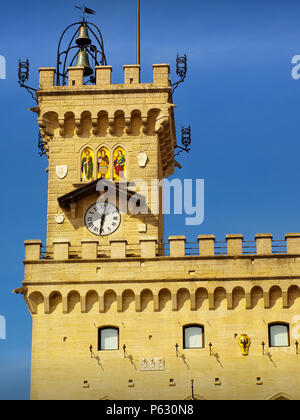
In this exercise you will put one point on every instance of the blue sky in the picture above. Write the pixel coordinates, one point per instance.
(239, 98)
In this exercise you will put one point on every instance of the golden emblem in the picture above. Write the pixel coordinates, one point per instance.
(244, 342)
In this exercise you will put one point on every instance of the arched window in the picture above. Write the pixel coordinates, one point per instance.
(193, 337)
(108, 338)
(279, 335)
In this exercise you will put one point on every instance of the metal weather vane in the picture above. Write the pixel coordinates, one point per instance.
(85, 10)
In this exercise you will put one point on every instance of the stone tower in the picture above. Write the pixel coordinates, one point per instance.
(135, 117)
(113, 316)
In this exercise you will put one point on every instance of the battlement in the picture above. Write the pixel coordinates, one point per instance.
(231, 271)
(177, 247)
(103, 78)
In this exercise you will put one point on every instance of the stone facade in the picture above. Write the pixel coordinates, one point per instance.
(133, 282)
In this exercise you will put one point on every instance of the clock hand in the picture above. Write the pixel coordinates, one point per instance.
(101, 223)
(103, 218)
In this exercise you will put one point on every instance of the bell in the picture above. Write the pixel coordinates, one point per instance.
(83, 61)
(83, 39)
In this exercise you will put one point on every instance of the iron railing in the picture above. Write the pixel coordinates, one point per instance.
(163, 249)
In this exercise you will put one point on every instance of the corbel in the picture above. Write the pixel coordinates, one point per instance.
(65, 306)
(162, 122)
(162, 141)
(30, 306)
(61, 124)
(174, 302)
(285, 299)
(111, 123)
(83, 305)
(43, 127)
(266, 300)
(193, 301)
(101, 304)
(211, 301)
(138, 303)
(145, 124)
(46, 145)
(248, 300)
(95, 127)
(46, 139)
(156, 303)
(47, 305)
(119, 303)
(128, 125)
(78, 126)
(229, 300)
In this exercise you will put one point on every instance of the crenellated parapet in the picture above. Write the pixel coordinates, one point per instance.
(103, 78)
(177, 247)
(123, 276)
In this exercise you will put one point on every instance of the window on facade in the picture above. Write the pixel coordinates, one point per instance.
(279, 335)
(108, 338)
(193, 337)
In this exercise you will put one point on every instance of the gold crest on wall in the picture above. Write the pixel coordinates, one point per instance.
(244, 342)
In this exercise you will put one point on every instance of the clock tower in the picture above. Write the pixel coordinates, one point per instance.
(115, 132)
(120, 133)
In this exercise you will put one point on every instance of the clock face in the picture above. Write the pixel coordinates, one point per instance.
(102, 219)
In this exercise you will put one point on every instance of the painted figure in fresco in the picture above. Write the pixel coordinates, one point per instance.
(87, 166)
(103, 163)
(119, 164)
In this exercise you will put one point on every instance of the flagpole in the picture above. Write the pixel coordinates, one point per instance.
(138, 51)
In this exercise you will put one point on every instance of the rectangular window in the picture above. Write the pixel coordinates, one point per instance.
(108, 339)
(193, 337)
(279, 335)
